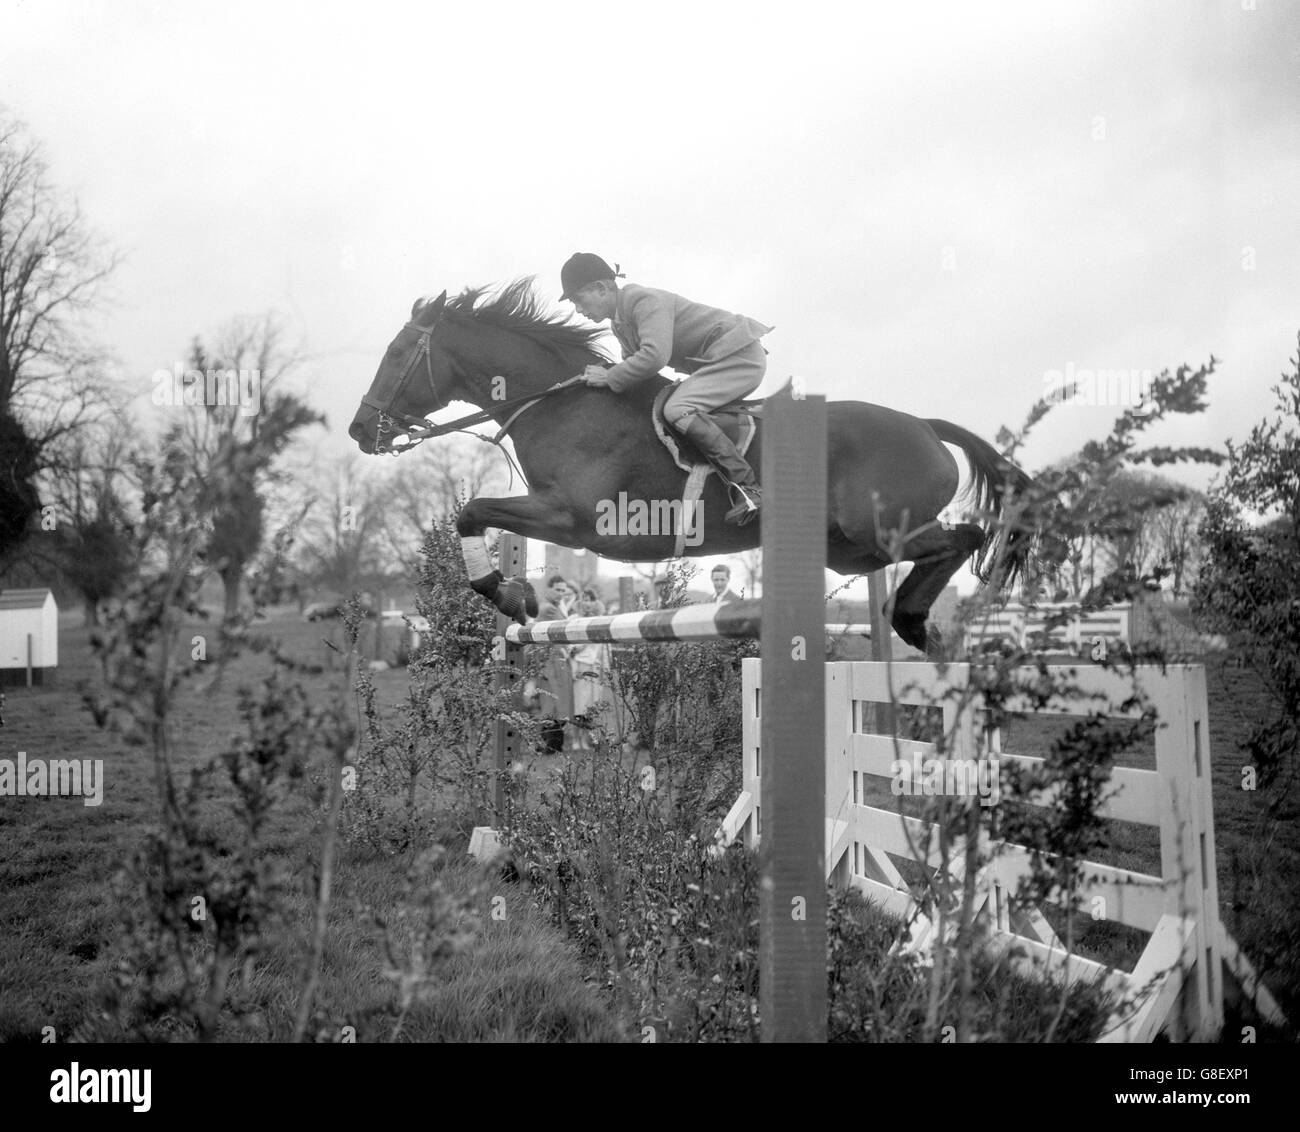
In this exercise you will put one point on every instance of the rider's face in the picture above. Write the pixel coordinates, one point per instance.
(596, 301)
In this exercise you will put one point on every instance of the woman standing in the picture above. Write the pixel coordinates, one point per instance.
(555, 681)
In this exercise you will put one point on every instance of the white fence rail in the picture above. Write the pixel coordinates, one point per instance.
(1177, 983)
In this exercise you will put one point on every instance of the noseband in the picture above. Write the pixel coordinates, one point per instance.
(416, 427)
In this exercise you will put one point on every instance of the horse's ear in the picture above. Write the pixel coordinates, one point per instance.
(427, 310)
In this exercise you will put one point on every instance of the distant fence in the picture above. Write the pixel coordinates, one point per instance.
(1028, 628)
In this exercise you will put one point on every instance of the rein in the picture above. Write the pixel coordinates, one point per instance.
(421, 430)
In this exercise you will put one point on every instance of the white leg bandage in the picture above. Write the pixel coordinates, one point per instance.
(477, 563)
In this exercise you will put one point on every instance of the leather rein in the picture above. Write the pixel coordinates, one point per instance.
(419, 429)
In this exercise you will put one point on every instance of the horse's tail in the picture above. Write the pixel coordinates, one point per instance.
(997, 483)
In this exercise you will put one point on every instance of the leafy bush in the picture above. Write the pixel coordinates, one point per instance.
(1249, 591)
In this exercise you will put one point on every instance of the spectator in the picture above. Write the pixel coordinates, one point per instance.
(555, 682)
(591, 668)
(557, 599)
(720, 576)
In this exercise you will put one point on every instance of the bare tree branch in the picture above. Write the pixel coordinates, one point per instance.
(51, 272)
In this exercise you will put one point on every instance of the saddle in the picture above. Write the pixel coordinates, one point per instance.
(739, 420)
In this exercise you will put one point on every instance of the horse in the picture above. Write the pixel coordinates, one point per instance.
(587, 452)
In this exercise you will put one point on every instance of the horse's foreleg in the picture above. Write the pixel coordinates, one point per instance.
(533, 516)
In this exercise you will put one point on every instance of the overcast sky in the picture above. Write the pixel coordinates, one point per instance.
(935, 204)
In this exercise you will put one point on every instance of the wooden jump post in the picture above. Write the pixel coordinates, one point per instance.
(792, 852)
(789, 621)
(512, 554)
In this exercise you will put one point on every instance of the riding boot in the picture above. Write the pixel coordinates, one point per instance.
(703, 431)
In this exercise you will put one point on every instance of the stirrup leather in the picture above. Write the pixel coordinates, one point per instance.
(751, 501)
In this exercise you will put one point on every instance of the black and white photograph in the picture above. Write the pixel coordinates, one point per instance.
(650, 524)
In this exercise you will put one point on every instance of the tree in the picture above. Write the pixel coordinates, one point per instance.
(341, 537)
(236, 430)
(1177, 542)
(92, 530)
(1125, 518)
(18, 495)
(751, 563)
(1249, 587)
(424, 488)
(1122, 523)
(51, 271)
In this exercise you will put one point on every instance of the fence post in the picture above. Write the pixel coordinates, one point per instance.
(882, 648)
(512, 558)
(792, 852)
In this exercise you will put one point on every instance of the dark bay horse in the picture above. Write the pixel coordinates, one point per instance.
(592, 459)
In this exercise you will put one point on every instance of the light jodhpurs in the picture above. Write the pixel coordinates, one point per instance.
(718, 383)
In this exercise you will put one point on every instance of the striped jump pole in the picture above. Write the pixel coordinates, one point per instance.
(737, 619)
(689, 623)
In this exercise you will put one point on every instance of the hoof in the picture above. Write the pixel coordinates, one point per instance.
(911, 627)
(516, 599)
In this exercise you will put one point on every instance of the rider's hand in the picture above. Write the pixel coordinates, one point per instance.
(595, 375)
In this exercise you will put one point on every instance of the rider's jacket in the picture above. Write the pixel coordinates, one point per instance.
(657, 328)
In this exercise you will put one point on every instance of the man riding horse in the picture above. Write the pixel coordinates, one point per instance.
(584, 451)
(719, 350)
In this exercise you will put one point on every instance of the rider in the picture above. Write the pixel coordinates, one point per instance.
(719, 350)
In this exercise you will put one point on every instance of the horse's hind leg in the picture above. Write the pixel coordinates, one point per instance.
(936, 555)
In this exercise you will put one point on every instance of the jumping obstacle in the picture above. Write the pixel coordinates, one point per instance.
(788, 621)
(735, 620)
(806, 805)
(1177, 984)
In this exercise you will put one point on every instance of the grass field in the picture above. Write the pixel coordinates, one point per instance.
(518, 981)
(61, 917)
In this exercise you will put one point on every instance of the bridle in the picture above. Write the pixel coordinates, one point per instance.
(415, 427)
(419, 429)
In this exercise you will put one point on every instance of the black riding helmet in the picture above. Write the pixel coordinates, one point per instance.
(583, 268)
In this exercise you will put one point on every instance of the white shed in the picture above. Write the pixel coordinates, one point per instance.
(29, 634)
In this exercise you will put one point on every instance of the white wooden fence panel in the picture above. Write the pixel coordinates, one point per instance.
(1179, 907)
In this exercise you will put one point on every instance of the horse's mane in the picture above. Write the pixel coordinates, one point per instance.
(515, 307)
